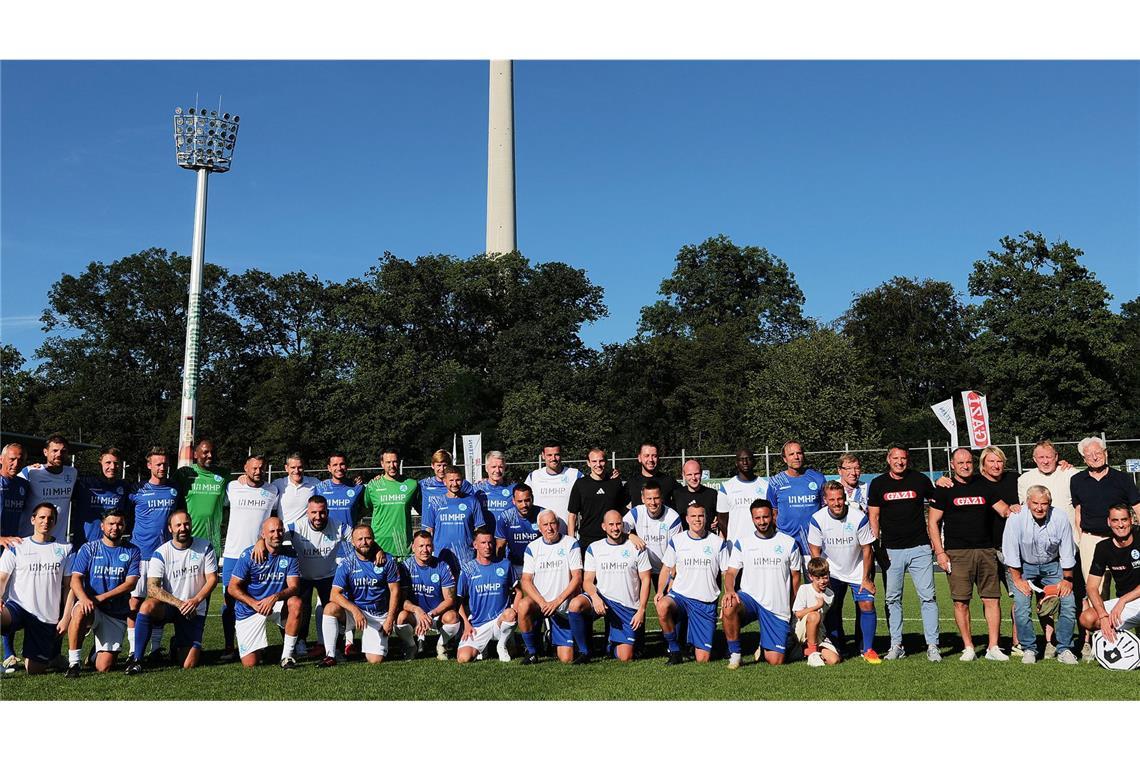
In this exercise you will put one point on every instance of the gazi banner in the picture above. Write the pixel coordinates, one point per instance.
(977, 419)
(473, 456)
(944, 411)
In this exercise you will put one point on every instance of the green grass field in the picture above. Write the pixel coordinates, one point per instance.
(912, 678)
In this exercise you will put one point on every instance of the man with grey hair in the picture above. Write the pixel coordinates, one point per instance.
(551, 577)
(1040, 554)
(1094, 491)
(495, 493)
(1054, 474)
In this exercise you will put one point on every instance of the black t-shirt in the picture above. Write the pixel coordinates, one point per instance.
(637, 480)
(902, 519)
(590, 499)
(1122, 562)
(967, 513)
(1096, 496)
(1005, 489)
(704, 496)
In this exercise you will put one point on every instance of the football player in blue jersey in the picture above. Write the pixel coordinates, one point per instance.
(103, 576)
(13, 495)
(428, 599)
(796, 494)
(345, 496)
(452, 522)
(367, 587)
(95, 494)
(486, 588)
(258, 588)
(495, 491)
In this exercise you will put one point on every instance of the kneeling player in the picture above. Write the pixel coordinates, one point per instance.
(1119, 555)
(257, 588)
(617, 578)
(486, 587)
(689, 585)
(810, 608)
(102, 578)
(768, 564)
(179, 580)
(552, 576)
(366, 586)
(429, 599)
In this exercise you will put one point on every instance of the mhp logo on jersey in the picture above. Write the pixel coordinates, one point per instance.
(435, 577)
(500, 572)
(124, 557)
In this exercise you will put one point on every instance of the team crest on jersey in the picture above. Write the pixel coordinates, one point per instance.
(561, 552)
(173, 491)
(435, 577)
(1136, 554)
(779, 550)
(124, 557)
(708, 550)
(350, 493)
(506, 492)
(812, 486)
(217, 478)
(625, 552)
(59, 552)
(195, 556)
(848, 528)
(282, 563)
(119, 490)
(403, 487)
(500, 572)
(462, 507)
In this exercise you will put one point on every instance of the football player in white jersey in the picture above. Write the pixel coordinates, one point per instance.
(651, 524)
(616, 586)
(551, 577)
(34, 575)
(54, 482)
(689, 585)
(769, 565)
(735, 496)
(552, 483)
(294, 490)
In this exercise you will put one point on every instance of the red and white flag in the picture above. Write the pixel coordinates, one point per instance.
(977, 419)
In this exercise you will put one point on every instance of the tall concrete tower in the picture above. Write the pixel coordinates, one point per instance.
(501, 160)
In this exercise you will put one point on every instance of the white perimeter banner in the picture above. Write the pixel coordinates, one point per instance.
(977, 419)
(473, 456)
(944, 411)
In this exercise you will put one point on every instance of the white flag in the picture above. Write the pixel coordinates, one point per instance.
(944, 411)
(473, 456)
(977, 419)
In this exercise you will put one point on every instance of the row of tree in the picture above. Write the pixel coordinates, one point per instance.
(414, 351)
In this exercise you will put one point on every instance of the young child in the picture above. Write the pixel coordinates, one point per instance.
(811, 604)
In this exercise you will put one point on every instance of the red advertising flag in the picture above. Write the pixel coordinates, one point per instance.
(977, 419)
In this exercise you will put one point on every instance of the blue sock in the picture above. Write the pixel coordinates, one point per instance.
(580, 631)
(142, 635)
(867, 622)
(529, 642)
(9, 644)
(734, 646)
(671, 640)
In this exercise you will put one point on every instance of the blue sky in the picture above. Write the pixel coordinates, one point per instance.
(852, 172)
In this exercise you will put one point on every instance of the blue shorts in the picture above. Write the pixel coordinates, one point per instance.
(188, 631)
(773, 629)
(858, 594)
(560, 635)
(618, 618)
(227, 570)
(323, 587)
(41, 643)
(701, 617)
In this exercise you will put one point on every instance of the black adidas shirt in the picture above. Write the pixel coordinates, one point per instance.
(590, 499)
(704, 496)
(1122, 562)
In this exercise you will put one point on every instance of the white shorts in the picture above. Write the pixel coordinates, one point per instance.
(1130, 617)
(373, 640)
(250, 631)
(484, 634)
(140, 587)
(107, 630)
(820, 634)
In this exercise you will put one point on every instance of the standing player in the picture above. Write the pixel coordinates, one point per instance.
(591, 497)
(517, 527)
(647, 470)
(180, 577)
(552, 575)
(553, 482)
(294, 490)
(95, 494)
(345, 497)
(102, 577)
(689, 585)
(843, 535)
(735, 496)
(366, 586)
(258, 587)
(1120, 556)
(429, 598)
(486, 588)
(896, 507)
(693, 490)
(204, 487)
(34, 576)
(769, 565)
(651, 524)
(53, 482)
(496, 492)
(389, 498)
(616, 586)
(453, 521)
(432, 488)
(251, 502)
(13, 494)
(795, 494)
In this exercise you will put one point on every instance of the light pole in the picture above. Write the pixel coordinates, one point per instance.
(203, 142)
(501, 160)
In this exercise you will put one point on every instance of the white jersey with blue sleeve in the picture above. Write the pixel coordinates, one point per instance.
(249, 508)
(766, 566)
(842, 541)
(552, 491)
(183, 572)
(734, 497)
(35, 576)
(697, 564)
(654, 531)
(551, 564)
(617, 570)
(319, 551)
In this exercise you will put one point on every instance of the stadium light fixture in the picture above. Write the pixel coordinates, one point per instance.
(204, 142)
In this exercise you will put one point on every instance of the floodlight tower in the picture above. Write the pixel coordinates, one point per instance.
(501, 160)
(204, 143)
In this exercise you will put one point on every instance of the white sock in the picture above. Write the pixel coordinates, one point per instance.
(329, 634)
(505, 631)
(406, 634)
(156, 638)
(130, 641)
(349, 625)
(449, 631)
(290, 645)
(73, 656)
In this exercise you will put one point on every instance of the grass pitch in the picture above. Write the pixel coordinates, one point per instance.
(912, 678)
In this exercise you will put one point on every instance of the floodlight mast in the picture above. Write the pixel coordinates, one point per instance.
(204, 143)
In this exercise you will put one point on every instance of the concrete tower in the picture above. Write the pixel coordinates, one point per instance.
(501, 160)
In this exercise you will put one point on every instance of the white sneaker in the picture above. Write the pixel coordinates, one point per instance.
(968, 655)
(501, 648)
(896, 652)
(1068, 658)
(1016, 650)
(815, 660)
(1028, 658)
(734, 661)
(440, 650)
(933, 654)
(301, 649)
(1050, 651)
(995, 654)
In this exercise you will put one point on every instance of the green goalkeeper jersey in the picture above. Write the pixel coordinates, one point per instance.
(389, 502)
(205, 490)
